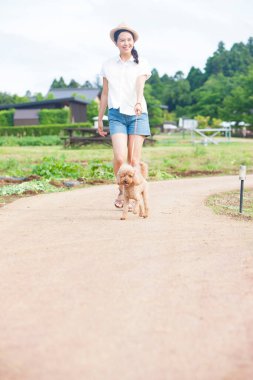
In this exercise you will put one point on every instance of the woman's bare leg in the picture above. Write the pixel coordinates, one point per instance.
(135, 143)
(119, 144)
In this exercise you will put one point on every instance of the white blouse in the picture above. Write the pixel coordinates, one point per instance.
(122, 78)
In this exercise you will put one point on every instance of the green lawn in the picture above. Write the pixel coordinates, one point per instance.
(171, 157)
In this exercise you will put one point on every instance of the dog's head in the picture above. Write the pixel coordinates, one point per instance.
(127, 176)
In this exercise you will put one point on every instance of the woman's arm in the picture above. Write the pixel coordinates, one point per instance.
(140, 83)
(102, 107)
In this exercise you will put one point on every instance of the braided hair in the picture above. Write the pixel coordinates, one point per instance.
(133, 51)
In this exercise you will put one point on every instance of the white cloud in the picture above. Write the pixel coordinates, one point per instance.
(41, 41)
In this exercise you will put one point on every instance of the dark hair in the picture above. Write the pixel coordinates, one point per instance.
(133, 51)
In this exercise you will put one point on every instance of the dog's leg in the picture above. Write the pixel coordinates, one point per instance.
(125, 209)
(136, 206)
(145, 200)
(141, 210)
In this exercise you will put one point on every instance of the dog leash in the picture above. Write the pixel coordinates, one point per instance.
(135, 130)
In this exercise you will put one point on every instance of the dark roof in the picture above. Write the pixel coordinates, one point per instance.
(89, 93)
(64, 101)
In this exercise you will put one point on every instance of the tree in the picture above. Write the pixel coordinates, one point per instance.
(250, 46)
(87, 84)
(154, 110)
(238, 105)
(177, 93)
(207, 100)
(92, 110)
(58, 83)
(73, 84)
(156, 85)
(196, 78)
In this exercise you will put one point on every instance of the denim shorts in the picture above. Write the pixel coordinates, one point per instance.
(121, 123)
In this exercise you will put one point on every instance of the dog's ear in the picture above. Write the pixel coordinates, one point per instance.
(136, 179)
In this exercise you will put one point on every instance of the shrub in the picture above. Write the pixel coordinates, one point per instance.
(30, 141)
(52, 167)
(55, 116)
(7, 117)
(40, 130)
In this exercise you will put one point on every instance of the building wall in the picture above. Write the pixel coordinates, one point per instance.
(20, 122)
(78, 112)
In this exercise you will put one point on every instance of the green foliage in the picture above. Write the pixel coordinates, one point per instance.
(6, 98)
(238, 105)
(72, 84)
(200, 151)
(54, 116)
(51, 167)
(196, 78)
(203, 121)
(40, 130)
(214, 91)
(223, 90)
(92, 110)
(227, 203)
(10, 166)
(30, 141)
(32, 186)
(229, 62)
(58, 83)
(7, 117)
(154, 110)
(208, 98)
(97, 169)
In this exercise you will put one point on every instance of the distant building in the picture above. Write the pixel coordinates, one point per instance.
(27, 113)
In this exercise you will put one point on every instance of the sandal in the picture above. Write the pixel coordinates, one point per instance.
(119, 202)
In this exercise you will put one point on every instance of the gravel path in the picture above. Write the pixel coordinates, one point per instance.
(85, 296)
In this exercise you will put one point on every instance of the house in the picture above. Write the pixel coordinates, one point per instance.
(87, 94)
(27, 113)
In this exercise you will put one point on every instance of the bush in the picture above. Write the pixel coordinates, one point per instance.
(30, 141)
(55, 116)
(7, 117)
(52, 167)
(40, 130)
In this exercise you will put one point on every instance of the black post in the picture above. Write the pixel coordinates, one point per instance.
(241, 196)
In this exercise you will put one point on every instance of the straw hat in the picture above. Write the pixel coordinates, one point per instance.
(126, 27)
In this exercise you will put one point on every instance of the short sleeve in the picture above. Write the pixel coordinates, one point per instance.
(144, 68)
(102, 72)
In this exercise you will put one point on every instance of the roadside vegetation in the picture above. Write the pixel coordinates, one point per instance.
(53, 168)
(228, 204)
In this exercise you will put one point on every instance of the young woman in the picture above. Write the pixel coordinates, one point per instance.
(124, 78)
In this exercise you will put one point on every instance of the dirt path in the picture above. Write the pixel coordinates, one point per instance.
(85, 296)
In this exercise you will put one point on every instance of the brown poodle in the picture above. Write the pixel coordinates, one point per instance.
(135, 187)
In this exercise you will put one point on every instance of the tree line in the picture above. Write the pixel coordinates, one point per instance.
(222, 90)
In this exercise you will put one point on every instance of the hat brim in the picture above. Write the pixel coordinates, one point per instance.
(113, 31)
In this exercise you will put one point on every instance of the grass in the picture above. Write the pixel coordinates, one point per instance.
(171, 157)
(228, 203)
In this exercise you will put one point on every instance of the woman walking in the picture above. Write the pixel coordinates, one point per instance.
(124, 78)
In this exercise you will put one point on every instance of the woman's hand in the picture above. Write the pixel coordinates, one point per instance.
(138, 109)
(100, 129)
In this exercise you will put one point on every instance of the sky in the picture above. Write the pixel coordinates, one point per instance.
(43, 40)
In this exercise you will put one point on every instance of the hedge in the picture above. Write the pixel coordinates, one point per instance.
(55, 116)
(40, 130)
(7, 117)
